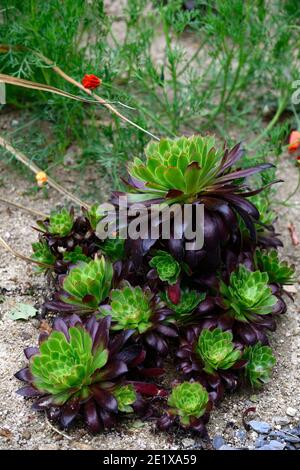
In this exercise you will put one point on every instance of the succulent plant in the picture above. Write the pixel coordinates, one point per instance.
(78, 369)
(192, 170)
(92, 215)
(42, 254)
(188, 400)
(189, 403)
(260, 361)
(278, 271)
(59, 223)
(248, 294)
(188, 166)
(140, 310)
(125, 396)
(266, 215)
(114, 249)
(75, 256)
(84, 287)
(216, 350)
(189, 300)
(168, 269)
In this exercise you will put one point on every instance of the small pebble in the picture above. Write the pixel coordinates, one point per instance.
(291, 411)
(290, 446)
(218, 442)
(260, 442)
(26, 435)
(295, 431)
(282, 420)
(241, 435)
(227, 447)
(260, 426)
(188, 442)
(287, 437)
(25, 336)
(273, 445)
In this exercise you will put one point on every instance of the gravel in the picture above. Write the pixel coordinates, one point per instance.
(260, 426)
(273, 445)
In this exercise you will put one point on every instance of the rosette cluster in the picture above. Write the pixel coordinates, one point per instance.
(128, 309)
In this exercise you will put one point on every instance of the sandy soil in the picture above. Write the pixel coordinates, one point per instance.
(20, 428)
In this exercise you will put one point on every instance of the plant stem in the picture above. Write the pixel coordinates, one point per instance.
(281, 107)
(23, 208)
(19, 255)
(295, 190)
(98, 98)
(35, 169)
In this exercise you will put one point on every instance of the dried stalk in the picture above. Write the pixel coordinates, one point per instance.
(107, 105)
(23, 208)
(38, 86)
(23, 257)
(35, 169)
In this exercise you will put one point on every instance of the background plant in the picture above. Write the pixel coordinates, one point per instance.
(240, 46)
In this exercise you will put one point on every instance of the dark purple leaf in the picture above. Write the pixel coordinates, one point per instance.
(91, 416)
(24, 375)
(104, 398)
(69, 412)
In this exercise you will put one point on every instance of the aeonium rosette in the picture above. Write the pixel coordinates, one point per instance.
(191, 170)
(142, 311)
(79, 369)
(250, 303)
(84, 287)
(260, 361)
(189, 405)
(212, 357)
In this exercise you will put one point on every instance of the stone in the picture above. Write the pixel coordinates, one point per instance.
(260, 441)
(218, 442)
(291, 411)
(187, 442)
(26, 435)
(259, 426)
(227, 447)
(273, 445)
(295, 431)
(282, 420)
(241, 435)
(287, 437)
(290, 447)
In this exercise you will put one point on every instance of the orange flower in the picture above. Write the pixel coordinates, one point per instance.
(294, 141)
(91, 81)
(41, 178)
